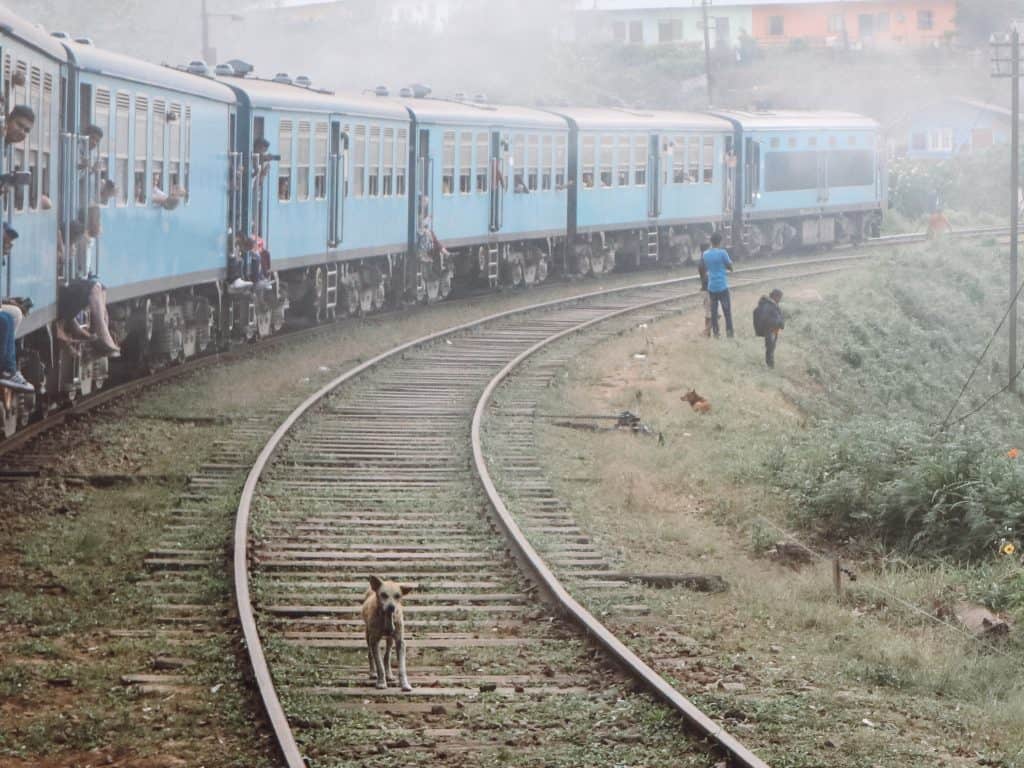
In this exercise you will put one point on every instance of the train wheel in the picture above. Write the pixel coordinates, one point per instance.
(433, 290)
(542, 269)
(777, 240)
(446, 284)
(684, 251)
(516, 276)
(584, 262)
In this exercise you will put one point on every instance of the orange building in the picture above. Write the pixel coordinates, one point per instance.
(863, 23)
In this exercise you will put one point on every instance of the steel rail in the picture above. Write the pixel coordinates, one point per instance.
(261, 672)
(547, 580)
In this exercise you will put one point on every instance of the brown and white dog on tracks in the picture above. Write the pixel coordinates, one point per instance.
(382, 614)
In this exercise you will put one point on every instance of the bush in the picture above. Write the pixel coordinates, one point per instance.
(892, 353)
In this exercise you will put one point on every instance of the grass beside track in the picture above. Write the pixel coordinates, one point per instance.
(861, 681)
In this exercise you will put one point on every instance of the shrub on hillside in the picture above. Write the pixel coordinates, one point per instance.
(976, 184)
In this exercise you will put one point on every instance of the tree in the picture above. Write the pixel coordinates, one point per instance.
(977, 20)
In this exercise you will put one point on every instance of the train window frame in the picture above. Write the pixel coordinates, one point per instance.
(47, 136)
(122, 147)
(303, 161)
(20, 151)
(533, 162)
(623, 161)
(285, 187)
(358, 185)
(186, 154)
(694, 143)
(321, 148)
(561, 150)
(373, 144)
(387, 184)
(465, 155)
(35, 96)
(547, 162)
(448, 150)
(708, 154)
(402, 161)
(606, 174)
(175, 147)
(158, 155)
(588, 161)
(641, 150)
(519, 164)
(140, 164)
(483, 163)
(679, 161)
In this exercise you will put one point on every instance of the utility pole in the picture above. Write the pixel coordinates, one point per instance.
(209, 55)
(999, 61)
(707, 50)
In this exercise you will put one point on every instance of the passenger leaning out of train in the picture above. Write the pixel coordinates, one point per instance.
(167, 201)
(261, 167)
(19, 124)
(251, 268)
(77, 296)
(11, 313)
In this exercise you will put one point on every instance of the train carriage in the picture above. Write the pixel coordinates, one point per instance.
(153, 197)
(646, 184)
(332, 210)
(493, 179)
(808, 178)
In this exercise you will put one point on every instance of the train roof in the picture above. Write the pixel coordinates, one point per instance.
(781, 120)
(444, 111)
(31, 35)
(89, 58)
(269, 94)
(615, 119)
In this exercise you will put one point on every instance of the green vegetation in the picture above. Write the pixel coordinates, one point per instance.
(975, 186)
(875, 467)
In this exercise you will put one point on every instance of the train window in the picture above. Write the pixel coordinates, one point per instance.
(791, 142)
(483, 162)
(402, 162)
(790, 171)
(141, 149)
(679, 160)
(302, 161)
(465, 163)
(589, 160)
(851, 168)
(448, 163)
(19, 152)
(320, 161)
(833, 141)
(693, 159)
(640, 150)
(373, 162)
(812, 141)
(174, 128)
(358, 161)
(561, 143)
(546, 163)
(622, 174)
(532, 162)
(284, 165)
(186, 138)
(607, 161)
(159, 128)
(519, 164)
(709, 159)
(852, 141)
(776, 142)
(388, 181)
(101, 116)
(122, 122)
(35, 88)
(47, 134)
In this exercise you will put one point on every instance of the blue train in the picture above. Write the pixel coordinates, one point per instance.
(363, 201)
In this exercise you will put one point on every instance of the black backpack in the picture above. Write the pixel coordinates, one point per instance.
(760, 319)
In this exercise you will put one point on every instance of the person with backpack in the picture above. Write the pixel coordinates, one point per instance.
(717, 262)
(768, 321)
(702, 270)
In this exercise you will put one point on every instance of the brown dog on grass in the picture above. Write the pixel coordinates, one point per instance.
(382, 614)
(698, 403)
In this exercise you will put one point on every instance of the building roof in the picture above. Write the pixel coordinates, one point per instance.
(266, 94)
(596, 119)
(31, 35)
(780, 120)
(92, 59)
(442, 111)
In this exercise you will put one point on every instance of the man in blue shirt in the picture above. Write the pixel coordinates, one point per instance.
(717, 262)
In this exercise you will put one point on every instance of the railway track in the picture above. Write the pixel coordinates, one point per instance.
(383, 471)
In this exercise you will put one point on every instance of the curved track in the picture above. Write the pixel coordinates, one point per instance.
(375, 473)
